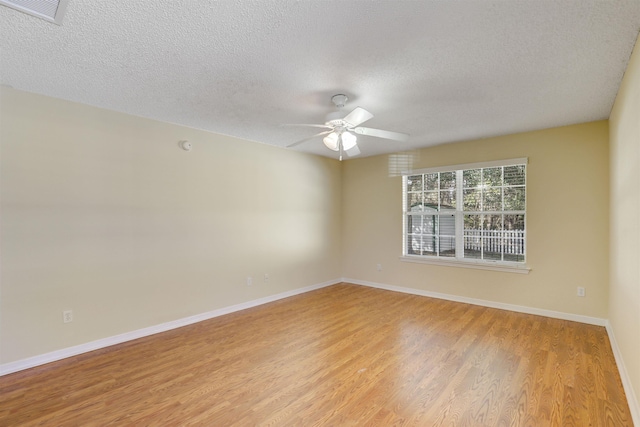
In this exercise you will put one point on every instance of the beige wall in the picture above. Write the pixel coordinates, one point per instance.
(103, 214)
(624, 305)
(567, 221)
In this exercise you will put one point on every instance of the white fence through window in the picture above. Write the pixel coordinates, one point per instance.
(507, 241)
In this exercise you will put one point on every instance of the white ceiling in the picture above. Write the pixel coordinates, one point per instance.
(441, 71)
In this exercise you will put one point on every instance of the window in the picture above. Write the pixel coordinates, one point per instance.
(472, 213)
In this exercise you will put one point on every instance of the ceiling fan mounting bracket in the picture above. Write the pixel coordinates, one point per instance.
(339, 100)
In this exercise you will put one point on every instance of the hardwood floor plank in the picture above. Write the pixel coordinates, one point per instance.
(345, 355)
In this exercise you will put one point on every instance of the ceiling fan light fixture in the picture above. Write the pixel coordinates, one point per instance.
(331, 141)
(348, 141)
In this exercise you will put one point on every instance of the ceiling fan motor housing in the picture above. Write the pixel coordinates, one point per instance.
(333, 118)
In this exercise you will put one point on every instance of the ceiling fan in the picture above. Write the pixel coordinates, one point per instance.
(341, 131)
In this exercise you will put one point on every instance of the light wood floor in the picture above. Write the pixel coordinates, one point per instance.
(345, 355)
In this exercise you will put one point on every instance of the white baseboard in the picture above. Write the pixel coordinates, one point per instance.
(634, 406)
(19, 365)
(502, 306)
(53, 356)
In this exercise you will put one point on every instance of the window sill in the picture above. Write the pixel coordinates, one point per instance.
(487, 265)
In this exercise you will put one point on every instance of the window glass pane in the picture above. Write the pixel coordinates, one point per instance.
(514, 238)
(415, 245)
(471, 178)
(492, 222)
(472, 246)
(431, 181)
(447, 246)
(514, 198)
(431, 200)
(448, 181)
(414, 224)
(446, 225)
(414, 183)
(429, 245)
(429, 224)
(492, 237)
(514, 175)
(471, 200)
(513, 257)
(492, 177)
(472, 222)
(448, 199)
(414, 202)
(492, 199)
(514, 222)
(492, 249)
(447, 232)
(473, 236)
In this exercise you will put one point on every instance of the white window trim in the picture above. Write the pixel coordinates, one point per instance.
(478, 265)
(504, 266)
(450, 168)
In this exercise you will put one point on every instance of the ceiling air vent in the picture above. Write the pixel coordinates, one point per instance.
(49, 10)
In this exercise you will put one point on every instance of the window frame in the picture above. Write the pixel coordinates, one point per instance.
(459, 213)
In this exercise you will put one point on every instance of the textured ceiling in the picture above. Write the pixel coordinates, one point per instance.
(441, 71)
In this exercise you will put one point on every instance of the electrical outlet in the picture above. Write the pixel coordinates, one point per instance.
(379, 267)
(581, 291)
(67, 316)
(249, 281)
(266, 277)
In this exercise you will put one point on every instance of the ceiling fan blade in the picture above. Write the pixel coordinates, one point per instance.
(352, 152)
(308, 125)
(379, 133)
(357, 116)
(307, 139)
